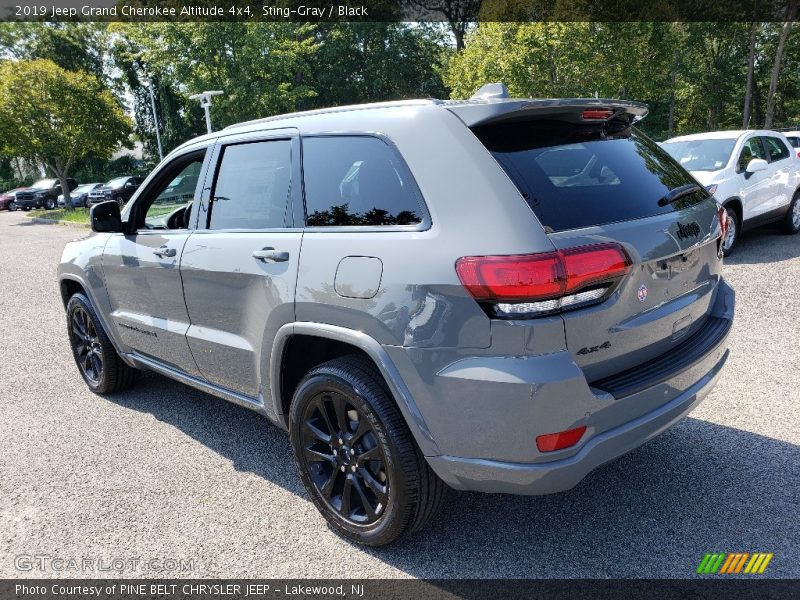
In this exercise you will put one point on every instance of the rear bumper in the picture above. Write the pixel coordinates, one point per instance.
(617, 426)
(547, 478)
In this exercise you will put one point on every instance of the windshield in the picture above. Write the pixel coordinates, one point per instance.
(86, 187)
(118, 182)
(701, 155)
(575, 176)
(44, 184)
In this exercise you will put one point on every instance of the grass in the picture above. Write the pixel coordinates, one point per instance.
(76, 215)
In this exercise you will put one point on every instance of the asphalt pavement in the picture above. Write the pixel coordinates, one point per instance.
(166, 473)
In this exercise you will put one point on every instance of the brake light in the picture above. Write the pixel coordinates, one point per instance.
(546, 282)
(722, 214)
(597, 113)
(551, 442)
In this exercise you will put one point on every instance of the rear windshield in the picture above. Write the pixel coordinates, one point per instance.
(575, 176)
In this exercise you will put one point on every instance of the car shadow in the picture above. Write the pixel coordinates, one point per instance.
(765, 244)
(699, 487)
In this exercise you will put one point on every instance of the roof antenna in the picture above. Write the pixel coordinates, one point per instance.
(491, 91)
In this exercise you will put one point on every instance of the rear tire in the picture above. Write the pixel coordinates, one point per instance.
(98, 362)
(791, 222)
(357, 458)
(734, 228)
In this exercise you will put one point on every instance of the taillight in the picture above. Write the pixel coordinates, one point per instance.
(597, 113)
(722, 214)
(535, 284)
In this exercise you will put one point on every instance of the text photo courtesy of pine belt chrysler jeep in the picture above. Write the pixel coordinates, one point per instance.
(497, 295)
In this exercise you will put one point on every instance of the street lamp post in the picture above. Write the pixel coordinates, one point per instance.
(205, 104)
(148, 83)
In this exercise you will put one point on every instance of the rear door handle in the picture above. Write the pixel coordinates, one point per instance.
(270, 255)
(164, 252)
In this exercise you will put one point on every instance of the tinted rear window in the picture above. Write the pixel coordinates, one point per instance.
(356, 180)
(575, 176)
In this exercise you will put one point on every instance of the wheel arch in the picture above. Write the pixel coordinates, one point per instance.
(736, 203)
(321, 342)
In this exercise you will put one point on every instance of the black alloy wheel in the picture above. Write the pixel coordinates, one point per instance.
(87, 345)
(343, 458)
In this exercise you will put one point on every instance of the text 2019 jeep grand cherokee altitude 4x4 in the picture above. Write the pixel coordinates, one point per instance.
(495, 295)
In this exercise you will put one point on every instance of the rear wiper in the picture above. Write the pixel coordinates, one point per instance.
(679, 192)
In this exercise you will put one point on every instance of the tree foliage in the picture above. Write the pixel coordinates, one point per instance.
(692, 75)
(55, 116)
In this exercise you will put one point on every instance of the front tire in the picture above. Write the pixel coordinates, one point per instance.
(791, 223)
(121, 201)
(98, 362)
(734, 228)
(49, 204)
(357, 459)
(12, 206)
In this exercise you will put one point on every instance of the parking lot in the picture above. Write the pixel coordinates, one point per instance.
(164, 471)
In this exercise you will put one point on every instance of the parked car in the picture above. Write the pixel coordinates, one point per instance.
(496, 295)
(754, 174)
(79, 196)
(119, 190)
(8, 199)
(794, 139)
(42, 194)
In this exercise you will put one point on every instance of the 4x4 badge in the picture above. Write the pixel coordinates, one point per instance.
(642, 293)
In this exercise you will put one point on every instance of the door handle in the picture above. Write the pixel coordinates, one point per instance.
(164, 252)
(270, 255)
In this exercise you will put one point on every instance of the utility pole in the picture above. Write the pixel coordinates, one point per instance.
(205, 104)
(148, 83)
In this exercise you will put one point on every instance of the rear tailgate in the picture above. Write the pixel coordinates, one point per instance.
(599, 181)
(662, 301)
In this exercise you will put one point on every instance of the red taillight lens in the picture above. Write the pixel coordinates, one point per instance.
(597, 113)
(551, 442)
(535, 277)
(722, 214)
(517, 277)
(586, 265)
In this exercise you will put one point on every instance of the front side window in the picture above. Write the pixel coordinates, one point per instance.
(252, 186)
(776, 149)
(169, 206)
(752, 149)
(356, 180)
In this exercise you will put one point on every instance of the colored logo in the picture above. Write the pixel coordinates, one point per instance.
(642, 293)
(734, 562)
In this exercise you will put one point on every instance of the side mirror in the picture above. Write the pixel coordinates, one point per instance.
(105, 217)
(130, 185)
(756, 165)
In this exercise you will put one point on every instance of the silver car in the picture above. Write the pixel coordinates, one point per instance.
(496, 295)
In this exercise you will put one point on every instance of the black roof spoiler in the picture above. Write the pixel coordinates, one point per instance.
(491, 104)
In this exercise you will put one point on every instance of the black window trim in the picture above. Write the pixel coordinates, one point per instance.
(764, 145)
(425, 223)
(251, 137)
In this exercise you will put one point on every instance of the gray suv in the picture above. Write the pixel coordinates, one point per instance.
(496, 295)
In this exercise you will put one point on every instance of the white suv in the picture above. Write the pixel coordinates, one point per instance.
(754, 174)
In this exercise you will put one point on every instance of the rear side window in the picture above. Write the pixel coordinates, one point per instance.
(356, 180)
(251, 190)
(575, 176)
(794, 141)
(776, 149)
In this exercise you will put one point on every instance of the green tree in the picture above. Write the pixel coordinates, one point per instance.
(56, 117)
